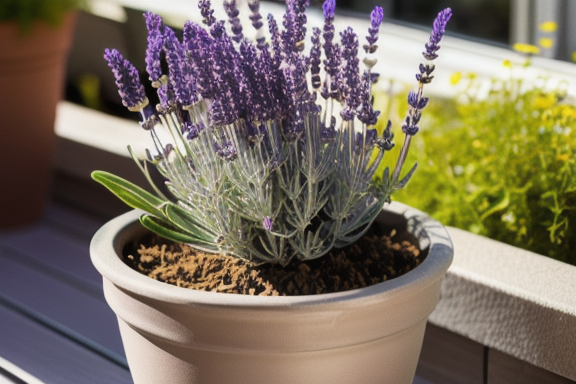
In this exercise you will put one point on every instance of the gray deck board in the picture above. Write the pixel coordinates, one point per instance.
(68, 304)
(51, 357)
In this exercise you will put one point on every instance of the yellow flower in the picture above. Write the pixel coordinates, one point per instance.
(543, 101)
(546, 42)
(568, 112)
(455, 78)
(507, 64)
(548, 26)
(526, 48)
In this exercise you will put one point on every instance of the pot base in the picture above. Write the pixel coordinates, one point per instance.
(154, 361)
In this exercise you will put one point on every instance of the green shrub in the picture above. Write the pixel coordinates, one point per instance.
(501, 164)
(25, 12)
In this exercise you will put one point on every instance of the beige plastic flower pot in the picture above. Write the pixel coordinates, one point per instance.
(370, 335)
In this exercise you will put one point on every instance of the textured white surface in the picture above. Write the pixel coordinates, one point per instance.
(512, 300)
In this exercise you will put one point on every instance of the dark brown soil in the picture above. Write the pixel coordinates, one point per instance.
(370, 260)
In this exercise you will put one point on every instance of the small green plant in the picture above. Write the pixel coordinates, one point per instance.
(502, 163)
(25, 12)
(273, 149)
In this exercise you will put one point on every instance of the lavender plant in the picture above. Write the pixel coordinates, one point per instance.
(273, 150)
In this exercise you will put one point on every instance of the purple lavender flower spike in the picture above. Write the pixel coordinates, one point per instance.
(181, 76)
(232, 11)
(376, 18)
(331, 51)
(295, 25)
(438, 29)
(350, 78)
(277, 45)
(315, 59)
(256, 19)
(329, 8)
(155, 32)
(207, 12)
(197, 42)
(130, 88)
(415, 99)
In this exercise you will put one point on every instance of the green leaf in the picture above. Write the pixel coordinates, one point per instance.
(129, 193)
(165, 229)
(182, 219)
(500, 204)
(402, 183)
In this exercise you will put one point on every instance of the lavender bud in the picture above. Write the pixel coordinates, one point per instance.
(267, 223)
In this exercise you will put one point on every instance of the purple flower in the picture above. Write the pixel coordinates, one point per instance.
(296, 88)
(349, 76)
(315, 59)
(438, 29)
(415, 102)
(385, 143)
(155, 43)
(166, 97)
(295, 25)
(331, 52)
(226, 150)
(227, 77)
(191, 131)
(367, 114)
(254, 83)
(376, 18)
(277, 46)
(207, 12)
(424, 76)
(256, 19)
(329, 8)
(197, 43)
(232, 12)
(181, 76)
(127, 79)
(267, 223)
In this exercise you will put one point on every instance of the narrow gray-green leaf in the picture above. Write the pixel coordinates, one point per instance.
(129, 193)
(183, 220)
(165, 229)
(402, 183)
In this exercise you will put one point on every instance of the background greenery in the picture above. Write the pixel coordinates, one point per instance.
(25, 12)
(498, 160)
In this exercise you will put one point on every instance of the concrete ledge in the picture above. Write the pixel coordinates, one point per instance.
(512, 300)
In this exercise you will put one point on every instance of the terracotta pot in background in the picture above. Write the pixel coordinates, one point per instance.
(32, 68)
(365, 336)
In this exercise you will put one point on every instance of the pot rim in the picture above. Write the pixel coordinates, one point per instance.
(109, 239)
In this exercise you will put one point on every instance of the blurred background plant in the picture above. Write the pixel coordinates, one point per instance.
(498, 159)
(25, 12)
